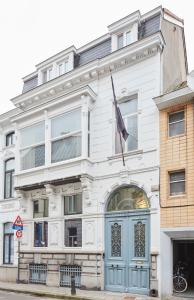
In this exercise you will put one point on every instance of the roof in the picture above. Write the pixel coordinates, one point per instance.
(146, 28)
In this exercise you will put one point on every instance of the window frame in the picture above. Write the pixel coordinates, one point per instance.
(39, 245)
(11, 136)
(11, 172)
(183, 120)
(69, 224)
(66, 135)
(65, 64)
(125, 118)
(10, 236)
(47, 74)
(45, 214)
(73, 213)
(177, 181)
(33, 146)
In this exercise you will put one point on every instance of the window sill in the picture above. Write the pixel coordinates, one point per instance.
(52, 165)
(8, 147)
(179, 196)
(8, 199)
(126, 154)
(8, 265)
(177, 136)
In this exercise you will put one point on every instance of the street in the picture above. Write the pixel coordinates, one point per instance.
(19, 296)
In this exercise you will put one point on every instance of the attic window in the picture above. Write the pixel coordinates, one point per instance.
(124, 39)
(120, 41)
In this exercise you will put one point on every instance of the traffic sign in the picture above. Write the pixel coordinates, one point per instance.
(18, 224)
(19, 233)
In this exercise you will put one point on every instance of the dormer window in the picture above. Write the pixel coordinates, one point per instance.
(47, 75)
(124, 39)
(62, 67)
(120, 41)
(128, 38)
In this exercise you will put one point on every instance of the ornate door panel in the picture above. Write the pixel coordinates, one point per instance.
(115, 255)
(138, 267)
(127, 253)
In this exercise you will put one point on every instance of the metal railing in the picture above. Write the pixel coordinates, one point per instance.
(38, 273)
(66, 272)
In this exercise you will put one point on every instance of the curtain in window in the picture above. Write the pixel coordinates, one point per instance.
(33, 157)
(66, 148)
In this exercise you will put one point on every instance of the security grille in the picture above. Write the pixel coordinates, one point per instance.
(66, 271)
(38, 273)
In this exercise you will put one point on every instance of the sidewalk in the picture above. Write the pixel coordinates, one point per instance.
(65, 293)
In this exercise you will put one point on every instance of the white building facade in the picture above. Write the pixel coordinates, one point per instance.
(83, 211)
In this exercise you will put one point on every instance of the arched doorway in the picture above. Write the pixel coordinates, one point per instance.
(127, 241)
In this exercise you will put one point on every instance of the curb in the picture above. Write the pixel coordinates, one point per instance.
(43, 294)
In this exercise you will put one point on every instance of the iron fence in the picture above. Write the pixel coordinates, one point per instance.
(38, 273)
(66, 271)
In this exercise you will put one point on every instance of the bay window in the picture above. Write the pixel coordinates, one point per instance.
(32, 150)
(66, 136)
(129, 111)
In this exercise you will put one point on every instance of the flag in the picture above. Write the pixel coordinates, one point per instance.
(119, 119)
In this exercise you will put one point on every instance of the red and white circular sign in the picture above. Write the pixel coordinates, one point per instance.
(19, 233)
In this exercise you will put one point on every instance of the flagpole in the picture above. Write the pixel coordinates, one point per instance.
(115, 103)
(122, 149)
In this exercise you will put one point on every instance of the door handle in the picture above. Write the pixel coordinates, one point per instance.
(112, 266)
(136, 267)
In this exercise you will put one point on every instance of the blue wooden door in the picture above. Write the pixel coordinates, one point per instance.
(115, 254)
(138, 262)
(127, 253)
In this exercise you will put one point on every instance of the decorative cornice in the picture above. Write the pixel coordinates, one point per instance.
(85, 74)
(60, 97)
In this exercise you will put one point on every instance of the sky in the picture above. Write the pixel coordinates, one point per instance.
(33, 30)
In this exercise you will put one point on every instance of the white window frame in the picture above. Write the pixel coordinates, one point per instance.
(49, 74)
(125, 117)
(183, 120)
(124, 36)
(72, 200)
(63, 136)
(65, 66)
(177, 181)
(32, 145)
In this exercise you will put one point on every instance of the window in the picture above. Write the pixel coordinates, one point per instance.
(128, 38)
(73, 233)
(127, 198)
(73, 204)
(124, 39)
(130, 117)
(120, 41)
(40, 234)
(9, 178)
(176, 123)
(177, 182)
(40, 208)
(33, 146)
(66, 136)
(62, 67)
(9, 140)
(8, 244)
(47, 75)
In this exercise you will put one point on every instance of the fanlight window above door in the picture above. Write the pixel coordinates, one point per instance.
(127, 198)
